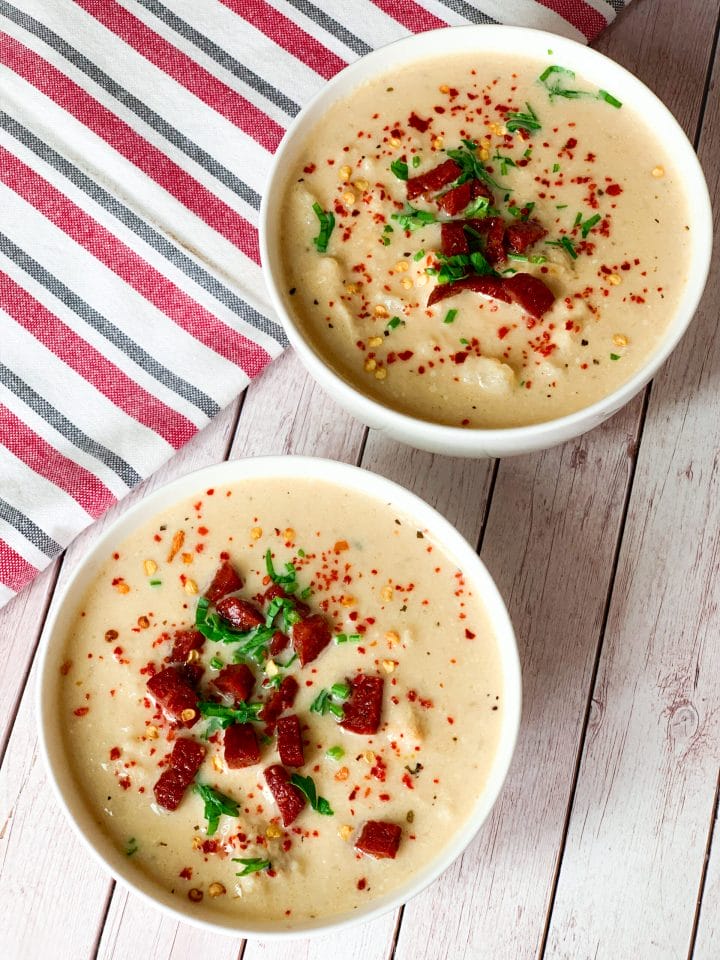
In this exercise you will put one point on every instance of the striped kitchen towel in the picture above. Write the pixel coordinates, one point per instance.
(134, 142)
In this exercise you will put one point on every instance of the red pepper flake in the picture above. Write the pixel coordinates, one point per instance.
(186, 873)
(210, 492)
(407, 780)
(310, 168)
(614, 190)
(459, 357)
(125, 783)
(81, 711)
(385, 797)
(405, 354)
(503, 332)
(203, 531)
(66, 667)
(115, 753)
(451, 720)
(469, 635)
(362, 883)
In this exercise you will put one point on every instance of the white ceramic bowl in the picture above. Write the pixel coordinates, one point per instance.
(70, 794)
(592, 66)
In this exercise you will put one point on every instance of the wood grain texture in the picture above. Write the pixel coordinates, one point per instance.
(645, 797)
(549, 544)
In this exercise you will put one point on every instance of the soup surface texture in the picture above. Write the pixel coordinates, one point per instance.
(331, 680)
(484, 242)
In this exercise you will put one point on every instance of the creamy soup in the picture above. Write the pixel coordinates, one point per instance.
(281, 699)
(484, 242)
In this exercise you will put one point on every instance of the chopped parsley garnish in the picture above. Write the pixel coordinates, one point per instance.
(587, 225)
(216, 804)
(416, 161)
(450, 316)
(556, 168)
(609, 98)
(537, 258)
(287, 580)
(131, 847)
(216, 663)
(251, 865)
(523, 121)
(347, 637)
(335, 753)
(301, 553)
(555, 87)
(505, 162)
(419, 255)
(413, 219)
(306, 785)
(327, 224)
(224, 716)
(325, 700)
(567, 245)
(472, 168)
(400, 169)
(614, 356)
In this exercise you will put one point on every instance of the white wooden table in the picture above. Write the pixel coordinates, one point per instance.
(607, 551)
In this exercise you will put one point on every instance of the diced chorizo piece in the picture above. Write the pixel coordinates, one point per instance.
(184, 642)
(433, 180)
(417, 122)
(240, 614)
(241, 746)
(530, 293)
(455, 200)
(289, 799)
(236, 680)
(278, 643)
(522, 235)
(185, 762)
(175, 695)
(310, 637)
(191, 673)
(379, 839)
(226, 580)
(363, 709)
(495, 241)
(290, 745)
(275, 590)
(282, 699)
(487, 286)
(453, 239)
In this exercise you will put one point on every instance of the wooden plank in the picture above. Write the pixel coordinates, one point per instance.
(645, 797)
(135, 929)
(549, 544)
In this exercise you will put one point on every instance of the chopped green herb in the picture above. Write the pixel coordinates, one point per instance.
(335, 753)
(385, 241)
(394, 322)
(319, 704)
(609, 98)
(556, 168)
(400, 169)
(347, 637)
(327, 224)
(416, 161)
(301, 554)
(528, 153)
(413, 219)
(578, 219)
(561, 206)
(419, 255)
(340, 690)
(388, 229)
(131, 847)
(292, 659)
(614, 356)
(241, 713)
(587, 225)
(287, 580)
(304, 594)
(566, 243)
(479, 207)
(523, 121)
(325, 700)
(464, 342)
(431, 271)
(155, 583)
(505, 162)
(514, 211)
(216, 804)
(252, 865)
(216, 663)
(471, 166)
(450, 316)
(526, 259)
(555, 88)
(306, 785)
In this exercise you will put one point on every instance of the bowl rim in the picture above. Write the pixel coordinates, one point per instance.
(443, 437)
(64, 607)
